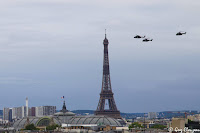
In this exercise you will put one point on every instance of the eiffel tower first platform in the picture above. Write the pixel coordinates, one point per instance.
(106, 94)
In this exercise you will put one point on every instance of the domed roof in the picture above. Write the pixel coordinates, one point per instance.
(94, 119)
(64, 114)
(37, 121)
(73, 120)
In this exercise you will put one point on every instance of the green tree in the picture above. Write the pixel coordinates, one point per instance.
(52, 127)
(159, 126)
(30, 127)
(135, 125)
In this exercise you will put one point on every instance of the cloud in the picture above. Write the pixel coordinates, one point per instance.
(15, 81)
(56, 46)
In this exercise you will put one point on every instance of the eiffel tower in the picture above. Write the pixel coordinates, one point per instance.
(106, 94)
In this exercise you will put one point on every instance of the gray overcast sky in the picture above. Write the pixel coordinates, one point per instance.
(51, 48)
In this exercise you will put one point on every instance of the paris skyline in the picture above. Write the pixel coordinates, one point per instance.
(51, 48)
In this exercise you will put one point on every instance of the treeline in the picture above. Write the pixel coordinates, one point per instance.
(125, 115)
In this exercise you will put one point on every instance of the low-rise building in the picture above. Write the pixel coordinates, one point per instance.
(178, 123)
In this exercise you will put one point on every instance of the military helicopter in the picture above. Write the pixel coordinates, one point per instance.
(180, 33)
(138, 36)
(146, 40)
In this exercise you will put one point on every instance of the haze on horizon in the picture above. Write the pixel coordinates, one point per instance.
(51, 48)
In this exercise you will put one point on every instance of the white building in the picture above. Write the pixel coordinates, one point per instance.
(6, 114)
(19, 112)
(45, 111)
(39, 111)
(152, 115)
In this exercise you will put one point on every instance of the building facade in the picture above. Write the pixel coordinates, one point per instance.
(49, 110)
(152, 115)
(44, 111)
(38, 111)
(178, 123)
(19, 112)
(31, 111)
(6, 114)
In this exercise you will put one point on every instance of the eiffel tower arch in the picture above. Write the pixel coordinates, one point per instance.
(106, 90)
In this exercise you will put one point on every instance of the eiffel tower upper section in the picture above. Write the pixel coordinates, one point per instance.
(106, 84)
